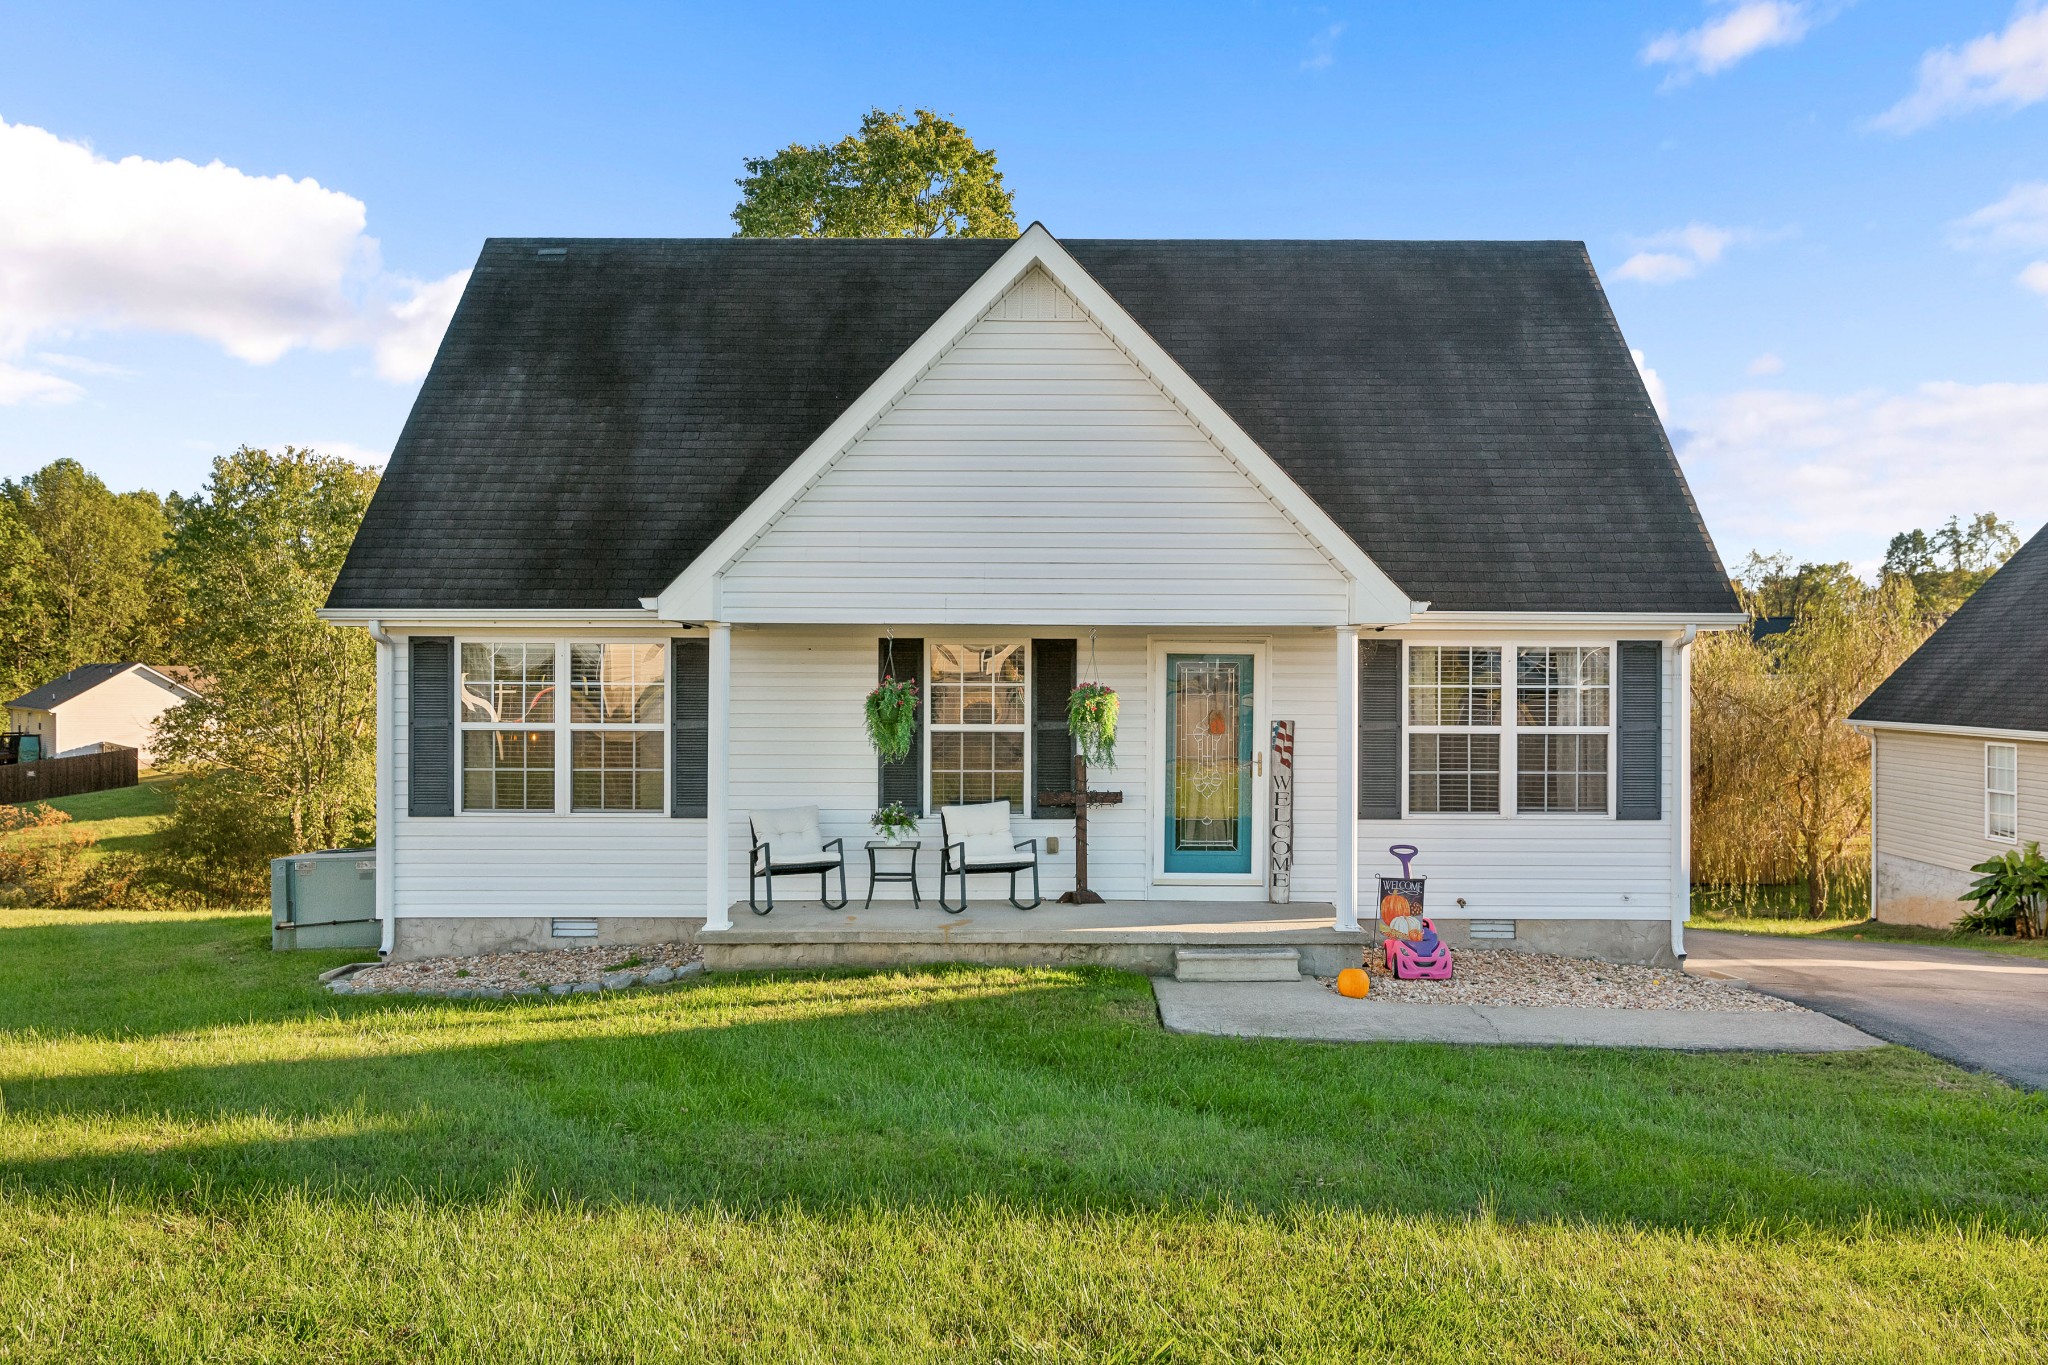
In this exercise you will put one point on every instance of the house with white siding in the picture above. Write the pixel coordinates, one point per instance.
(1397, 514)
(1959, 747)
(98, 704)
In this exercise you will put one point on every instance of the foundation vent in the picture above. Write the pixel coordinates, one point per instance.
(1488, 928)
(574, 928)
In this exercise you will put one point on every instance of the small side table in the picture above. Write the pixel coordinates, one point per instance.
(906, 873)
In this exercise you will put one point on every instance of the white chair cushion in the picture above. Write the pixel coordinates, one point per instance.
(792, 835)
(985, 829)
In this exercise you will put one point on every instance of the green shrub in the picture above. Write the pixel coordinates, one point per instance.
(47, 859)
(223, 833)
(2011, 894)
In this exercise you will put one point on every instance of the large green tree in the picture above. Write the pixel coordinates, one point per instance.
(24, 604)
(1950, 562)
(283, 737)
(896, 177)
(104, 595)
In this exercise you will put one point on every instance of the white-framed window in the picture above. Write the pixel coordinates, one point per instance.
(1454, 729)
(1563, 717)
(517, 728)
(506, 708)
(618, 698)
(977, 724)
(2002, 792)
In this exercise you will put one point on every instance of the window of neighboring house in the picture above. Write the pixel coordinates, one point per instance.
(617, 697)
(516, 730)
(2002, 792)
(1562, 715)
(507, 696)
(1454, 717)
(977, 724)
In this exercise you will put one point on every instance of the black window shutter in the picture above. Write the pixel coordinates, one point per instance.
(904, 780)
(1639, 717)
(1052, 748)
(1379, 729)
(430, 745)
(689, 727)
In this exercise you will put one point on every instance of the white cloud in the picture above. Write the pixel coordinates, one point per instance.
(2008, 70)
(2019, 220)
(1680, 253)
(1322, 49)
(1742, 30)
(1767, 364)
(79, 364)
(1835, 477)
(2035, 277)
(1660, 399)
(258, 265)
(34, 386)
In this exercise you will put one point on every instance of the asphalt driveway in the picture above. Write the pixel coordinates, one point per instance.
(1984, 1011)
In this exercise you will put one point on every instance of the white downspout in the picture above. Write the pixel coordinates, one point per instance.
(1681, 858)
(387, 786)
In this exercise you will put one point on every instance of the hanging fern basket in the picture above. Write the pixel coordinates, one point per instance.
(891, 711)
(1091, 720)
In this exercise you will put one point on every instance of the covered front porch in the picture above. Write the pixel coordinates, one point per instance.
(1130, 935)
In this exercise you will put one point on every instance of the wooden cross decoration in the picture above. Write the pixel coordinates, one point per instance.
(1080, 798)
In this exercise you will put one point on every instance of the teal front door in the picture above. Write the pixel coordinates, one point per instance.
(1209, 763)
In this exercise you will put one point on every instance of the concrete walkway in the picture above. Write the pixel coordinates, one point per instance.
(1985, 1011)
(1307, 1011)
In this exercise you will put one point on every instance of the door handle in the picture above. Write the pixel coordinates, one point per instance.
(1258, 764)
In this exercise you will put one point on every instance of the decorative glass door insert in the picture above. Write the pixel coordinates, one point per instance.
(1209, 763)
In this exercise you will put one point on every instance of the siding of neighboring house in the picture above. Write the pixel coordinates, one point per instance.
(24, 720)
(1035, 464)
(1930, 820)
(121, 710)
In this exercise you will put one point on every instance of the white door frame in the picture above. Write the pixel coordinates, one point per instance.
(1259, 647)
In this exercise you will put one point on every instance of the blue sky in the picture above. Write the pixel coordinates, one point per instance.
(1823, 225)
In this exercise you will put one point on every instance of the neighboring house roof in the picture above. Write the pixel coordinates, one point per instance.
(83, 679)
(1987, 667)
(1466, 411)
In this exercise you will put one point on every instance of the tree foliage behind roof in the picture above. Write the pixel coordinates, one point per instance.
(1949, 563)
(896, 177)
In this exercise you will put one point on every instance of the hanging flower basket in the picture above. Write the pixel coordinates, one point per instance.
(892, 718)
(1091, 720)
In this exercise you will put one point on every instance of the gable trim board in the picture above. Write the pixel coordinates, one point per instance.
(697, 593)
(1963, 731)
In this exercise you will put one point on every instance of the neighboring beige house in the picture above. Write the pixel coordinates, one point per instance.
(98, 704)
(1959, 746)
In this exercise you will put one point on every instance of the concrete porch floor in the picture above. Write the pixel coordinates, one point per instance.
(1132, 935)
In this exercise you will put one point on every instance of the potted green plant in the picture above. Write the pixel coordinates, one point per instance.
(2011, 892)
(1091, 720)
(893, 823)
(892, 717)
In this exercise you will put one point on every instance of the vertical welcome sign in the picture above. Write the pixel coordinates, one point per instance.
(1280, 863)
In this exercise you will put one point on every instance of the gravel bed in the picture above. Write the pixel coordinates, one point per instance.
(1502, 976)
(551, 971)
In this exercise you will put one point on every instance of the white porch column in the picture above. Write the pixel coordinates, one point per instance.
(1347, 777)
(717, 774)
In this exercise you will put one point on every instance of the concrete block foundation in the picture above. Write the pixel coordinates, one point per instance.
(1913, 892)
(469, 936)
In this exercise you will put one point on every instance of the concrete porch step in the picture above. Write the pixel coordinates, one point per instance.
(1237, 964)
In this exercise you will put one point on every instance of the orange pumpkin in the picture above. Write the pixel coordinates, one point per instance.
(1393, 905)
(1353, 983)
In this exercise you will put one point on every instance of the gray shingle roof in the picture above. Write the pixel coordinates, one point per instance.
(1987, 667)
(1467, 411)
(77, 682)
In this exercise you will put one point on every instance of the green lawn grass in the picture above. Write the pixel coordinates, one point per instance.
(204, 1156)
(1872, 931)
(125, 819)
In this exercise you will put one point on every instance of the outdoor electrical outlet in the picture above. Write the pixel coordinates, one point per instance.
(1052, 843)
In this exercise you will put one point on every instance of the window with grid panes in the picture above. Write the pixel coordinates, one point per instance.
(977, 724)
(2002, 792)
(1454, 716)
(1563, 693)
(617, 742)
(507, 706)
